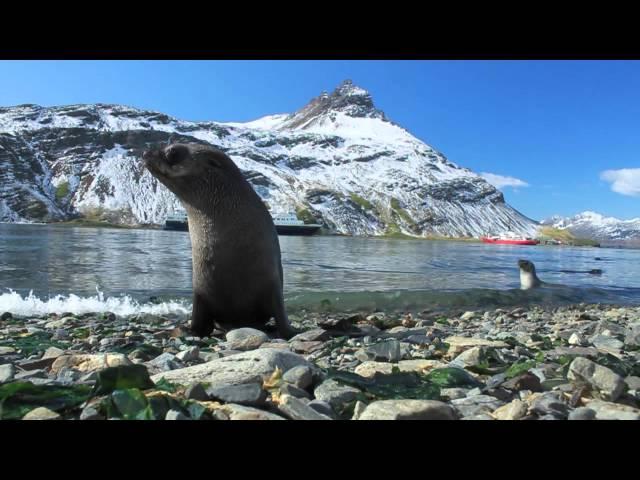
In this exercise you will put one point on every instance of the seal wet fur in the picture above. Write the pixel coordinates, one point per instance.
(528, 277)
(237, 268)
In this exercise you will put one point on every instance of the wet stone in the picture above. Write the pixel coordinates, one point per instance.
(408, 410)
(246, 339)
(176, 415)
(306, 347)
(29, 374)
(608, 383)
(196, 391)
(582, 413)
(250, 394)
(386, 351)
(90, 413)
(526, 381)
(42, 413)
(295, 409)
(335, 394)
(476, 405)
(289, 389)
(323, 407)
(550, 403)
(300, 376)
(7, 372)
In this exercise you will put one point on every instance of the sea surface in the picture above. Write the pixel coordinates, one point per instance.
(55, 268)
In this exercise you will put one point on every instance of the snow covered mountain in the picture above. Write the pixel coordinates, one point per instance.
(338, 160)
(596, 226)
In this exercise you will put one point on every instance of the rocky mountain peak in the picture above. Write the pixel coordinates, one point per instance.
(347, 99)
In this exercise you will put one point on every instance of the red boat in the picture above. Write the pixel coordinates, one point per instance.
(509, 238)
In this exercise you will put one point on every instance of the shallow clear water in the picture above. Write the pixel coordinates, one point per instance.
(98, 265)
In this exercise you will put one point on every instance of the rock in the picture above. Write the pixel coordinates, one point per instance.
(55, 324)
(163, 363)
(368, 369)
(296, 409)
(400, 333)
(292, 390)
(582, 413)
(577, 351)
(42, 413)
(7, 350)
(90, 413)
(576, 339)
(175, 415)
(29, 374)
(633, 383)
(511, 411)
(89, 362)
(38, 364)
(196, 391)
(481, 416)
(454, 393)
(7, 372)
(632, 338)
(386, 351)
(408, 410)
(52, 352)
(358, 410)
(607, 344)
(476, 405)
(613, 411)
(323, 407)
(460, 344)
(189, 355)
(469, 358)
(342, 324)
(336, 394)
(246, 338)
(306, 347)
(246, 367)
(6, 316)
(550, 403)
(608, 383)
(525, 381)
(250, 394)
(467, 316)
(241, 412)
(314, 335)
(301, 376)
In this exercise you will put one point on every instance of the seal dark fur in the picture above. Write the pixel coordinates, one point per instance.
(237, 269)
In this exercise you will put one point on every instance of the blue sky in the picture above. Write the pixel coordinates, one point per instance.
(566, 132)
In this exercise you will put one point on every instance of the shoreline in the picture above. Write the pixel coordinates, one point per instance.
(580, 361)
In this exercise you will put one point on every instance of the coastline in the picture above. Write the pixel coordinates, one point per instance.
(572, 362)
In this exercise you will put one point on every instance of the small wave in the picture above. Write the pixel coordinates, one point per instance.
(31, 305)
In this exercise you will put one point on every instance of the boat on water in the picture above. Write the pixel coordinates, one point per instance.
(289, 224)
(509, 238)
(286, 223)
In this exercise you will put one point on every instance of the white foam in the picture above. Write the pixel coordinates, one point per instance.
(31, 305)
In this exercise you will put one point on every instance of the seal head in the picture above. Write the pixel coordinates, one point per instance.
(528, 277)
(237, 268)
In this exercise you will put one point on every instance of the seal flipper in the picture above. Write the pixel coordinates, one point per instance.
(282, 321)
(201, 317)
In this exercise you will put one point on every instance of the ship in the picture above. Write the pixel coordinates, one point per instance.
(285, 223)
(509, 238)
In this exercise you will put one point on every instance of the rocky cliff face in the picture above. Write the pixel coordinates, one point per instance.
(338, 160)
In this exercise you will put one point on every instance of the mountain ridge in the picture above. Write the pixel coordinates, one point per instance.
(338, 159)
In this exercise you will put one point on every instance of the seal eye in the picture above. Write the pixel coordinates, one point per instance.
(176, 154)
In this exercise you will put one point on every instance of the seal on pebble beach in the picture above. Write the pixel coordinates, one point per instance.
(237, 268)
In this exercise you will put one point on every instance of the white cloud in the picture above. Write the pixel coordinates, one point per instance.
(501, 181)
(625, 181)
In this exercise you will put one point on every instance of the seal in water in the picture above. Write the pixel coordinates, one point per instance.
(528, 277)
(237, 269)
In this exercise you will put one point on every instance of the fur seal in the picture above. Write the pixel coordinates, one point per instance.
(237, 268)
(529, 279)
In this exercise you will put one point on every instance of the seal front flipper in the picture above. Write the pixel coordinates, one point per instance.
(201, 317)
(282, 321)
